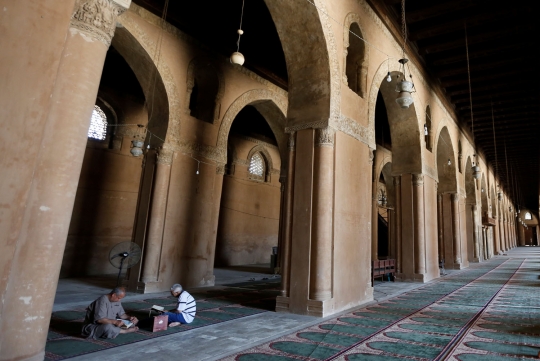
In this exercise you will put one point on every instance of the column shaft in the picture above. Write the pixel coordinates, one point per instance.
(419, 241)
(440, 230)
(158, 210)
(28, 299)
(397, 187)
(287, 227)
(475, 232)
(322, 226)
(456, 236)
(374, 212)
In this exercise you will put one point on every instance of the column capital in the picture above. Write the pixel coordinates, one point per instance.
(324, 137)
(418, 180)
(291, 142)
(97, 18)
(397, 180)
(165, 156)
(454, 197)
(220, 168)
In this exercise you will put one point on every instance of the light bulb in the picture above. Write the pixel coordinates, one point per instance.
(197, 172)
(389, 77)
(449, 162)
(425, 130)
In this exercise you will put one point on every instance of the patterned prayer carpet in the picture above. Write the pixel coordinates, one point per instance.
(490, 311)
(213, 306)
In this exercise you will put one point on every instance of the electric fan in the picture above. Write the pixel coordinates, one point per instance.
(124, 255)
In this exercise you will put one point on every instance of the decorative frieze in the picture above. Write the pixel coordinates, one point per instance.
(220, 168)
(324, 137)
(351, 127)
(97, 18)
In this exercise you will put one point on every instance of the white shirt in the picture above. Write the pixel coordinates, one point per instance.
(187, 305)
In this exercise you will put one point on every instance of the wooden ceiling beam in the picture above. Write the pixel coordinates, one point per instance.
(440, 45)
(441, 8)
(442, 72)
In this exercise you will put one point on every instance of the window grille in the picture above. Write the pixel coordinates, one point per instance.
(528, 216)
(98, 124)
(256, 165)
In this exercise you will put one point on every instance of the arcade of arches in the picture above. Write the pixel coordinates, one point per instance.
(328, 168)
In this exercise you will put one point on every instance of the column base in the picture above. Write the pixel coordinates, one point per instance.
(458, 266)
(410, 277)
(150, 287)
(313, 307)
(282, 304)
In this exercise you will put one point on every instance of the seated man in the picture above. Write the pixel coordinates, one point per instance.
(104, 316)
(185, 309)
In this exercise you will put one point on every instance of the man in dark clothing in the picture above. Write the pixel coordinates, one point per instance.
(104, 317)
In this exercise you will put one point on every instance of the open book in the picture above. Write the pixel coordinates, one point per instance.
(126, 323)
(158, 308)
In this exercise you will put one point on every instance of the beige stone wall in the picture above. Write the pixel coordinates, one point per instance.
(249, 210)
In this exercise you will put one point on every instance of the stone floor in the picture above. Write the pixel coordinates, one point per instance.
(216, 341)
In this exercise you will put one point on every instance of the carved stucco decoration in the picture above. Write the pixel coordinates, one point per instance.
(352, 128)
(324, 137)
(204, 62)
(249, 97)
(397, 180)
(97, 19)
(150, 46)
(220, 168)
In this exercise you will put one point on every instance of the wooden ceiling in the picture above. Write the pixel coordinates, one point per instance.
(502, 43)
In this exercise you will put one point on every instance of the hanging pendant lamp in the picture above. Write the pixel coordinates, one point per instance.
(404, 87)
(237, 57)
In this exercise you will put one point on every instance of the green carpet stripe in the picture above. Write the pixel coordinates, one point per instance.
(405, 349)
(304, 349)
(263, 357)
(507, 337)
(329, 338)
(353, 330)
(371, 357)
(517, 350)
(368, 322)
(419, 337)
(431, 328)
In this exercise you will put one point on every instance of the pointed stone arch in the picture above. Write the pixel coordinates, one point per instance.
(404, 123)
(272, 107)
(130, 37)
(310, 49)
(447, 173)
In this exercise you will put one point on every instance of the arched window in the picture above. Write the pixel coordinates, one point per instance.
(98, 124)
(356, 67)
(528, 216)
(427, 130)
(257, 167)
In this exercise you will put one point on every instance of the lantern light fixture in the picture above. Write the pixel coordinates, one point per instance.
(389, 77)
(404, 87)
(425, 130)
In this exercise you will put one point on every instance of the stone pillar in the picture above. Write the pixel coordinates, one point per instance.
(476, 226)
(28, 298)
(440, 230)
(209, 278)
(158, 210)
(419, 241)
(397, 187)
(496, 247)
(456, 235)
(374, 212)
(287, 222)
(501, 233)
(322, 227)
(506, 238)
